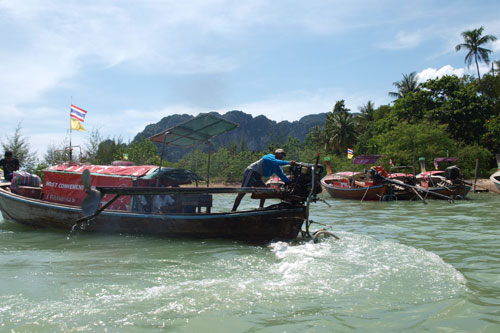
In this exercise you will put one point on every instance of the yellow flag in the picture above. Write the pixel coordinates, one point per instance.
(77, 126)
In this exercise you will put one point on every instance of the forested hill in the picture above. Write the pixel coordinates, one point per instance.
(253, 133)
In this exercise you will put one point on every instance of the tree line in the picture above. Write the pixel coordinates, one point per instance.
(447, 116)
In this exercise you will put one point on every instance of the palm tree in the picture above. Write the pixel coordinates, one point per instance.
(367, 111)
(493, 64)
(340, 129)
(318, 136)
(472, 42)
(408, 84)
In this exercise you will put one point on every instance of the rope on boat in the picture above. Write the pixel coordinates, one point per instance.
(365, 193)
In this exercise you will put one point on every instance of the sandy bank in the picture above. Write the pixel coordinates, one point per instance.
(485, 184)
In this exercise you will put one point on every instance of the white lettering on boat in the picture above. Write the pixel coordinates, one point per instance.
(58, 198)
(71, 186)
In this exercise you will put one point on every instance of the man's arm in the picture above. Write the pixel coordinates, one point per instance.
(271, 158)
(280, 174)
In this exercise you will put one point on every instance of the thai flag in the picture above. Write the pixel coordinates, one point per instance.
(436, 165)
(78, 113)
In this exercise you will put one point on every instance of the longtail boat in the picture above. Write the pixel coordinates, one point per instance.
(495, 178)
(445, 184)
(354, 185)
(441, 184)
(147, 200)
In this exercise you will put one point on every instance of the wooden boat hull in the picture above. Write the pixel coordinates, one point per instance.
(278, 222)
(454, 191)
(495, 178)
(370, 193)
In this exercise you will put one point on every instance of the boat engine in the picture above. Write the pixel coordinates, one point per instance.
(378, 174)
(301, 182)
(452, 173)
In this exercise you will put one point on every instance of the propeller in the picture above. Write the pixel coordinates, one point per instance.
(91, 202)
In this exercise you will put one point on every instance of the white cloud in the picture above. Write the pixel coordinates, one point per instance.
(433, 73)
(404, 40)
(496, 45)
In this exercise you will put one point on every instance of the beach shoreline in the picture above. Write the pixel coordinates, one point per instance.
(484, 184)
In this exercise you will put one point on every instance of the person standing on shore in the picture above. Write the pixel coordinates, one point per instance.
(9, 164)
(267, 166)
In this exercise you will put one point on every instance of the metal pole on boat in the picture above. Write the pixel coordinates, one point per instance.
(70, 130)
(161, 158)
(208, 165)
(308, 200)
(70, 148)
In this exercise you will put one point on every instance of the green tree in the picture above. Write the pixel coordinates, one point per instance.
(243, 143)
(495, 63)
(56, 154)
(467, 156)
(92, 145)
(455, 101)
(293, 149)
(316, 139)
(491, 138)
(407, 142)
(110, 150)
(19, 146)
(340, 128)
(409, 84)
(367, 111)
(141, 151)
(39, 170)
(473, 42)
(452, 101)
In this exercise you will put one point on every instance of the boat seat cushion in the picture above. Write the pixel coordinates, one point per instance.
(23, 178)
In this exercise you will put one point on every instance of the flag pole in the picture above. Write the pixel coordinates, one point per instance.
(70, 131)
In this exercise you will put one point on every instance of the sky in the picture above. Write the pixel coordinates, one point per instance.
(130, 63)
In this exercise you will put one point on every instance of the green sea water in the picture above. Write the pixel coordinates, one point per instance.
(398, 266)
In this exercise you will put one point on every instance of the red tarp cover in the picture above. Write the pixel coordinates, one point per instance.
(133, 171)
(66, 187)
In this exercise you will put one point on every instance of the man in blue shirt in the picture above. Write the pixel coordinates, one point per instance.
(267, 166)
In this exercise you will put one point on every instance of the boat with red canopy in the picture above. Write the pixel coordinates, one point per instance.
(445, 184)
(151, 200)
(354, 185)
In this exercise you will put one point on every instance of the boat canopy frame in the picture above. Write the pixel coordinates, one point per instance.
(201, 129)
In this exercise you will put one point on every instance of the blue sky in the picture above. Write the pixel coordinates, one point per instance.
(131, 63)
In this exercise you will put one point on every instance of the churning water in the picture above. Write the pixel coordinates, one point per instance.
(398, 266)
